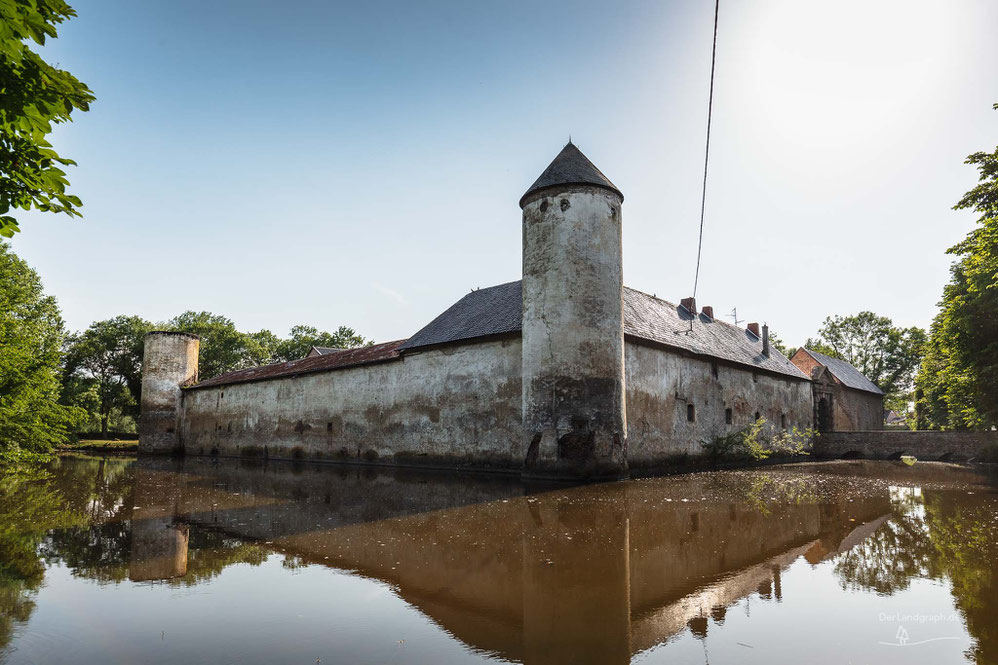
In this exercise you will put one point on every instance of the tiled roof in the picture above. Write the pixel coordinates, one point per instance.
(498, 309)
(340, 358)
(846, 373)
(490, 311)
(570, 167)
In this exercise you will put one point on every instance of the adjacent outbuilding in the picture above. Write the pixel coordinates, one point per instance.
(844, 399)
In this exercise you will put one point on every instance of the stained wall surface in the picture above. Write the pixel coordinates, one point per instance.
(452, 406)
(461, 406)
(662, 386)
(856, 410)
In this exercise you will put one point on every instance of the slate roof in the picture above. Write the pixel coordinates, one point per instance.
(490, 311)
(340, 358)
(848, 375)
(570, 167)
(325, 350)
(649, 318)
(498, 310)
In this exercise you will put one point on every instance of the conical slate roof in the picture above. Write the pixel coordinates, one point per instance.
(571, 167)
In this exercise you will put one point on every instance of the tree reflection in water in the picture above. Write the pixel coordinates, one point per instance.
(945, 535)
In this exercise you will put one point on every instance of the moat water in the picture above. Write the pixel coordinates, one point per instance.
(113, 560)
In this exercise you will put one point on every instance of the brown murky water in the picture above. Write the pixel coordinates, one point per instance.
(117, 561)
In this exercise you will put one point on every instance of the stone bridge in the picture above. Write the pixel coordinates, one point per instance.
(929, 445)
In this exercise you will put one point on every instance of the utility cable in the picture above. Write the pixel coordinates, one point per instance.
(706, 156)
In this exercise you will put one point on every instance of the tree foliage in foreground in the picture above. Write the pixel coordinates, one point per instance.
(34, 96)
(957, 386)
(31, 334)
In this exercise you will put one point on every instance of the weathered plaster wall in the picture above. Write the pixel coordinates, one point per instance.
(855, 410)
(169, 361)
(573, 363)
(461, 405)
(661, 385)
(450, 406)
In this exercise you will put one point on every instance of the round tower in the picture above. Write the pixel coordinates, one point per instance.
(573, 334)
(169, 361)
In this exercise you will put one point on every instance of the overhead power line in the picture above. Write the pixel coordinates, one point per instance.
(706, 156)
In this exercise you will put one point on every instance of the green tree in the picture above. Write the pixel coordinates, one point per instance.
(303, 338)
(958, 387)
(106, 359)
(223, 348)
(35, 95)
(31, 334)
(886, 354)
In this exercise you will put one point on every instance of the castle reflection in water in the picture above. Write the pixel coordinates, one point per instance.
(600, 573)
(586, 574)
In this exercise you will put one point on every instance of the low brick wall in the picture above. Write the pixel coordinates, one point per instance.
(923, 444)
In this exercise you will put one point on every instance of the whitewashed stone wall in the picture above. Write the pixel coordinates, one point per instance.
(446, 407)
(661, 385)
(461, 406)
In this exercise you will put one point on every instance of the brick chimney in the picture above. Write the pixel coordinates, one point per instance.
(708, 311)
(754, 329)
(690, 304)
(765, 340)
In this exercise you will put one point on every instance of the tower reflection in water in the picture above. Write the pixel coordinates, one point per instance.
(589, 574)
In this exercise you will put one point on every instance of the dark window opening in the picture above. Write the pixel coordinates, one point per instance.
(329, 427)
(713, 369)
(691, 413)
(728, 416)
(758, 415)
(783, 420)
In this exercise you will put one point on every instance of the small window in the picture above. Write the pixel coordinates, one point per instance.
(728, 416)
(758, 415)
(329, 427)
(783, 420)
(691, 413)
(714, 370)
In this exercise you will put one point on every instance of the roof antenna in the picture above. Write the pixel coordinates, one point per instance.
(734, 315)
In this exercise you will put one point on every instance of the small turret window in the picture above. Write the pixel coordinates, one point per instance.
(691, 413)
(728, 416)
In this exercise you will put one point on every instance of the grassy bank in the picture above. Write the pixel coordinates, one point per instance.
(102, 445)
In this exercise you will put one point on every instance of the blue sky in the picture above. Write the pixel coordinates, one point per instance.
(360, 163)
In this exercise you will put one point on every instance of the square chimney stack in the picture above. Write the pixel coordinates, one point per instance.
(754, 329)
(690, 304)
(708, 311)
